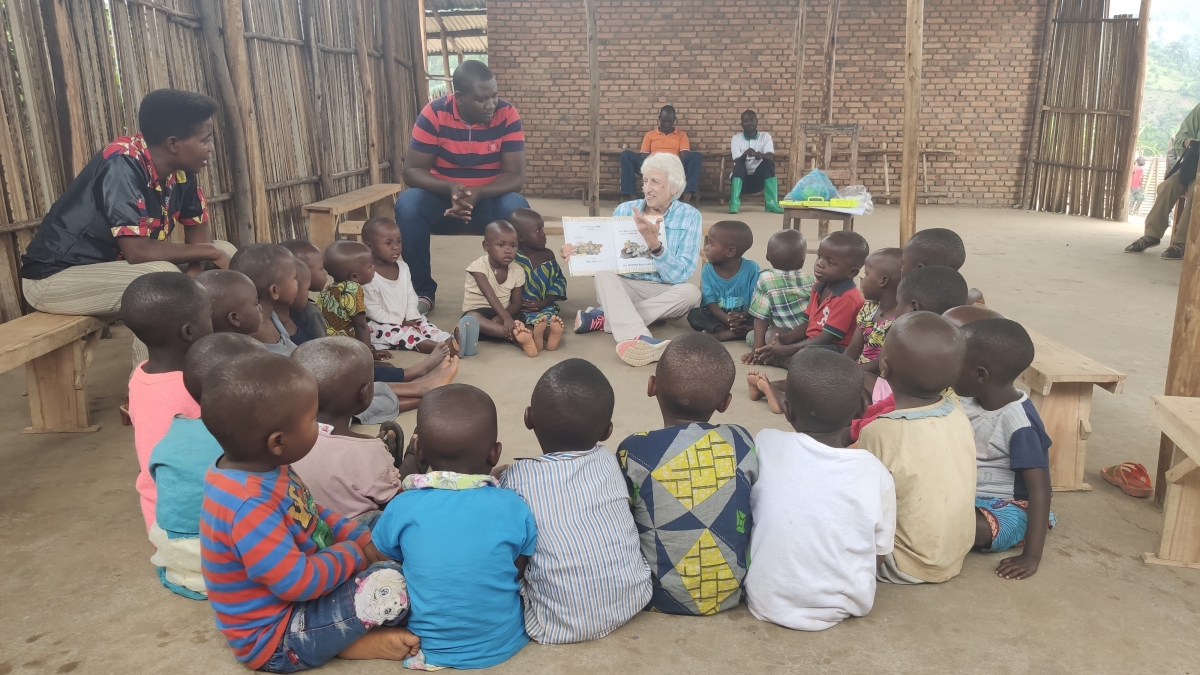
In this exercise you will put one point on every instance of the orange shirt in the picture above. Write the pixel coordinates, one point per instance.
(657, 141)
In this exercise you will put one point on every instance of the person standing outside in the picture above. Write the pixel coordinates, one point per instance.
(753, 165)
(465, 168)
(669, 139)
(1137, 192)
(1169, 192)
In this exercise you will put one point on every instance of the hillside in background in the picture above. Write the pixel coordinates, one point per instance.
(1172, 74)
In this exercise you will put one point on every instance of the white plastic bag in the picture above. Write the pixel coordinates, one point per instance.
(860, 193)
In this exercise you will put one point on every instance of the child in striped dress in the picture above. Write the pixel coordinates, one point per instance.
(587, 576)
(545, 283)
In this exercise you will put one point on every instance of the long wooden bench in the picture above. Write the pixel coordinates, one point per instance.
(55, 351)
(1060, 382)
(355, 205)
(1179, 418)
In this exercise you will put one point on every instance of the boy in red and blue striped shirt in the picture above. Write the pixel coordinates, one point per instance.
(292, 584)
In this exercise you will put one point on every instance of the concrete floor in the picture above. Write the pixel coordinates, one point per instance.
(78, 594)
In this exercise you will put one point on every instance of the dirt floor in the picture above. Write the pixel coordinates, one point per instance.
(78, 593)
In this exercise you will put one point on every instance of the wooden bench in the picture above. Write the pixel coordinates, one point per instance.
(1060, 382)
(55, 351)
(1179, 418)
(323, 215)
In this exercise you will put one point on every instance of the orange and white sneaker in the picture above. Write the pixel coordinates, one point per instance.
(641, 350)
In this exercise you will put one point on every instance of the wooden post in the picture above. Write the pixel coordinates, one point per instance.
(68, 94)
(1035, 131)
(420, 56)
(835, 8)
(912, 113)
(391, 70)
(593, 110)
(796, 158)
(1183, 367)
(361, 45)
(235, 133)
(320, 129)
(239, 73)
(1128, 149)
(445, 50)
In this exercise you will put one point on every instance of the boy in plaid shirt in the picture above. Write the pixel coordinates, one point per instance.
(782, 293)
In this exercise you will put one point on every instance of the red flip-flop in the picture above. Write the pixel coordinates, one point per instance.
(1131, 477)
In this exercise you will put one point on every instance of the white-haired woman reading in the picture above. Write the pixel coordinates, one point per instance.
(631, 302)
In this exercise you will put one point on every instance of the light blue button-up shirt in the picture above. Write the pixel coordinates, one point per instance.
(683, 228)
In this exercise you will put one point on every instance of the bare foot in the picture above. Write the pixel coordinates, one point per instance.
(524, 340)
(752, 378)
(774, 400)
(437, 356)
(539, 332)
(556, 333)
(385, 642)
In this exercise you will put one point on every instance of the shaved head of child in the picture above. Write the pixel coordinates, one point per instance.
(998, 351)
(349, 261)
(530, 228)
(379, 225)
(271, 269)
(881, 273)
(935, 288)
(165, 309)
(344, 370)
(922, 355)
(211, 351)
(692, 379)
(965, 314)
(786, 250)
(935, 246)
(733, 235)
(571, 408)
(235, 306)
(457, 430)
(262, 410)
(308, 252)
(824, 391)
(840, 256)
(303, 282)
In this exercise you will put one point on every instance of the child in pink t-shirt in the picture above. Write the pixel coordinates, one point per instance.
(167, 311)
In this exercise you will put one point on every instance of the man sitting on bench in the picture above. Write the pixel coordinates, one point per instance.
(112, 224)
(666, 138)
(753, 165)
(465, 168)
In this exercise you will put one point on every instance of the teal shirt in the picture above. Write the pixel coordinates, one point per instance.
(177, 465)
(732, 294)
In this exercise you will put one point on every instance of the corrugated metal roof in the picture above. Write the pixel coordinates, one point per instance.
(469, 44)
(455, 4)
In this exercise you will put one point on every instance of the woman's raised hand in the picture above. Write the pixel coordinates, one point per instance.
(566, 251)
(648, 228)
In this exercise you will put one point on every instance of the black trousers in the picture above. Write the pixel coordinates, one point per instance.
(752, 183)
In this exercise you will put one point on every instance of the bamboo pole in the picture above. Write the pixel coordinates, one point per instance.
(366, 80)
(235, 133)
(912, 112)
(831, 27)
(322, 139)
(593, 110)
(68, 95)
(391, 70)
(1035, 130)
(239, 73)
(796, 158)
(445, 50)
(1130, 137)
(420, 56)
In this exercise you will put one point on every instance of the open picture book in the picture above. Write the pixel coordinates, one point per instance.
(611, 244)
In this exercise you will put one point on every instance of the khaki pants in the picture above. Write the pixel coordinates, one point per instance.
(1169, 192)
(630, 305)
(96, 289)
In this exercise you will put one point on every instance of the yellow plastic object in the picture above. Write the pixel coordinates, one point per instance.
(818, 203)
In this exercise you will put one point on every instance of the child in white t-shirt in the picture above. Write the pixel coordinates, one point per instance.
(824, 514)
(391, 301)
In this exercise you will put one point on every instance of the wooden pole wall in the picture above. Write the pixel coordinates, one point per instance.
(593, 110)
(1133, 122)
(391, 69)
(320, 130)
(367, 82)
(64, 64)
(420, 56)
(1035, 131)
(239, 72)
(913, 36)
(796, 158)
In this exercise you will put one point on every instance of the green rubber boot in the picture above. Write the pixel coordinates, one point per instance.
(771, 195)
(735, 194)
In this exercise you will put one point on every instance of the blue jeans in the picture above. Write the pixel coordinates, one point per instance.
(323, 627)
(631, 164)
(419, 214)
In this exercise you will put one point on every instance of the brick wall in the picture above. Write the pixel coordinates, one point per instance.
(713, 59)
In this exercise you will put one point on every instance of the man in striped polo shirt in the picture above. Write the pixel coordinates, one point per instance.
(465, 168)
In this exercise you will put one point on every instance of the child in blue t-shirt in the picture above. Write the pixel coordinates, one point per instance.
(462, 541)
(178, 464)
(726, 283)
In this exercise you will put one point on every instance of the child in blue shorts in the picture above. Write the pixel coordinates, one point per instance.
(727, 283)
(1012, 449)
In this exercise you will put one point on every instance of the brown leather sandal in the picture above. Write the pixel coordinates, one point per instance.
(1141, 244)
(1173, 252)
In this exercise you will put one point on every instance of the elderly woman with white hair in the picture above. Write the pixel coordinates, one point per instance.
(631, 302)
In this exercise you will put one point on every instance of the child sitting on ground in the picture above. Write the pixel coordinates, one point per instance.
(936, 246)
(352, 474)
(581, 506)
(168, 312)
(390, 301)
(492, 294)
(824, 515)
(929, 447)
(545, 283)
(691, 473)
(782, 292)
(835, 302)
(1012, 449)
(178, 464)
(292, 584)
(727, 282)
(305, 313)
(463, 538)
(881, 277)
(272, 269)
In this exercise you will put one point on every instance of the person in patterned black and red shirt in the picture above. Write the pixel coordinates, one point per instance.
(465, 168)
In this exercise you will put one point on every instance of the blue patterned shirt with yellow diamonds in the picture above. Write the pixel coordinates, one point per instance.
(689, 486)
